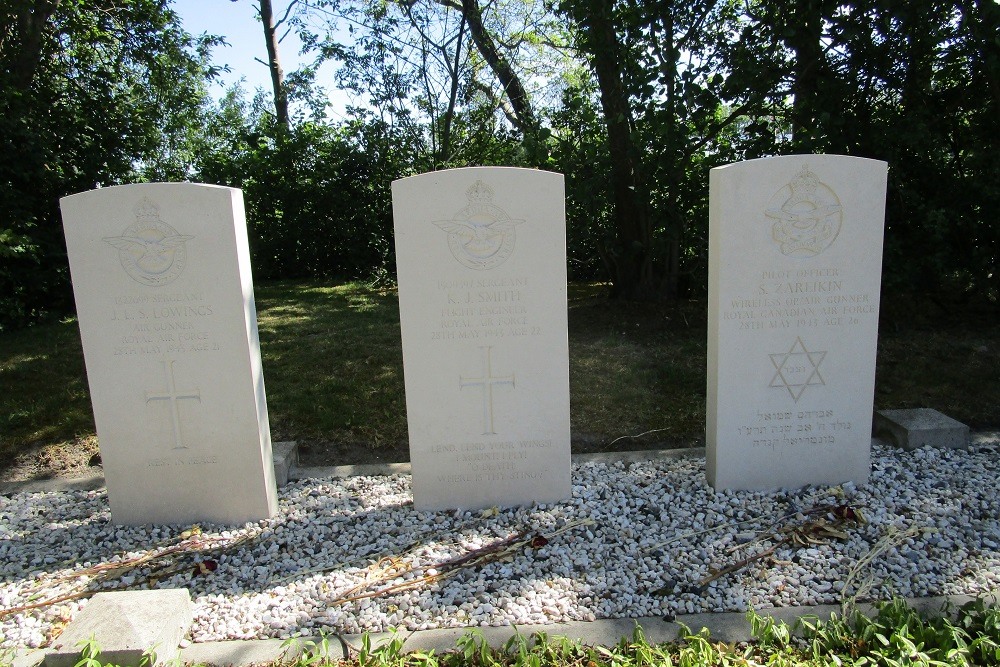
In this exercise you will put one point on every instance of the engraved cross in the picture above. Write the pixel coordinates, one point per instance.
(173, 395)
(487, 381)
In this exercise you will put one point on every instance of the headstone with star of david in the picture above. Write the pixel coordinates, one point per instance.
(795, 259)
(481, 259)
(164, 298)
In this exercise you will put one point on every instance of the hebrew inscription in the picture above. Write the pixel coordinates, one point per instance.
(481, 236)
(807, 216)
(151, 251)
(772, 430)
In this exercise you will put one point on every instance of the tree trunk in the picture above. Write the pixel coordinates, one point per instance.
(274, 63)
(518, 96)
(30, 19)
(632, 256)
(806, 25)
(452, 95)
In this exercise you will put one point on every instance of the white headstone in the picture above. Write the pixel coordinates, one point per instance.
(481, 259)
(164, 297)
(795, 259)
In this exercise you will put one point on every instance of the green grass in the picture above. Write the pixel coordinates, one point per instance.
(44, 398)
(333, 368)
(941, 357)
(333, 363)
(636, 368)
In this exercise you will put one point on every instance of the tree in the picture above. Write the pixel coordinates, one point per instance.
(437, 60)
(523, 115)
(317, 196)
(655, 64)
(631, 260)
(271, 41)
(911, 82)
(92, 93)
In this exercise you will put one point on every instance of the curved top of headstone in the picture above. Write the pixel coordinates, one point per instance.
(164, 295)
(828, 158)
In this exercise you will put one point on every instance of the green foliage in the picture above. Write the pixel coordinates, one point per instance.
(770, 633)
(579, 153)
(307, 653)
(898, 636)
(317, 196)
(389, 652)
(913, 83)
(113, 91)
(90, 655)
(91, 94)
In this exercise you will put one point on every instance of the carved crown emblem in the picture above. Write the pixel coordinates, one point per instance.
(479, 192)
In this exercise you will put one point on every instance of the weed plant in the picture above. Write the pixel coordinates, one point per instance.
(896, 636)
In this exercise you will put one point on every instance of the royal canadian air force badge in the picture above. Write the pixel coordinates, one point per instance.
(481, 236)
(807, 216)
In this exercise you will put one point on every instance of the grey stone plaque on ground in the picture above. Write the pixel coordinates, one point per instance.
(795, 258)
(921, 427)
(481, 257)
(125, 625)
(164, 297)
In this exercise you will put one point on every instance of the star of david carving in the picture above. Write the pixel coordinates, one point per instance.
(797, 369)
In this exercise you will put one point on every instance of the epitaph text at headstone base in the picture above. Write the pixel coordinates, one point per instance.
(481, 262)
(795, 255)
(161, 276)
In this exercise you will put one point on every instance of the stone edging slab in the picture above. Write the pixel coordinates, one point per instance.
(725, 627)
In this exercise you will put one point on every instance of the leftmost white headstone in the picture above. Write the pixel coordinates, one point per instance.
(164, 298)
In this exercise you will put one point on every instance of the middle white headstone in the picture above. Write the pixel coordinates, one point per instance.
(481, 260)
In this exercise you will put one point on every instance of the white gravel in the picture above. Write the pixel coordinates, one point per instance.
(635, 540)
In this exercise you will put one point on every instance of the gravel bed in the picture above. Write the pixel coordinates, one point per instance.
(637, 539)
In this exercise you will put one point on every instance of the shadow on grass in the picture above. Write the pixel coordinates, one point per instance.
(334, 373)
(45, 401)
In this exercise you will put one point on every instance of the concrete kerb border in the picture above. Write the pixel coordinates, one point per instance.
(375, 469)
(727, 627)
(730, 627)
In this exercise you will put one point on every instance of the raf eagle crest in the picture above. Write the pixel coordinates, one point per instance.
(151, 251)
(480, 236)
